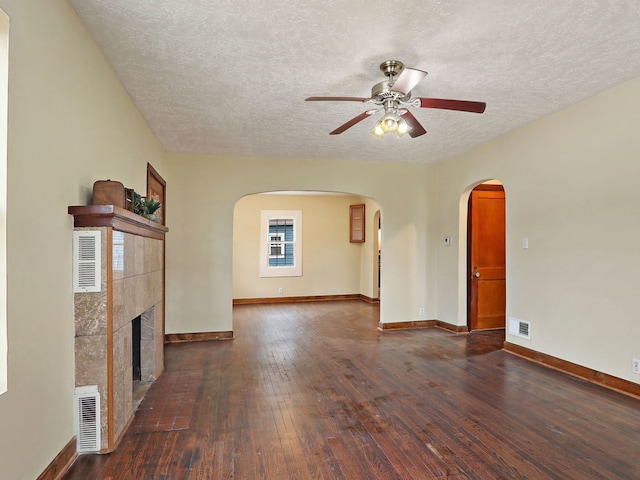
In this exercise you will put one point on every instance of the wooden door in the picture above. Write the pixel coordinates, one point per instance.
(156, 189)
(486, 258)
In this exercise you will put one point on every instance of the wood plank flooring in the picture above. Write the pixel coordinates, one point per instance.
(314, 391)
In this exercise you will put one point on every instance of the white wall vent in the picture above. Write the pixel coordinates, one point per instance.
(87, 418)
(86, 261)
(519, 328)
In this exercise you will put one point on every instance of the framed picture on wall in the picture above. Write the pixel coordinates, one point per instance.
(156, 189)
(356, 223)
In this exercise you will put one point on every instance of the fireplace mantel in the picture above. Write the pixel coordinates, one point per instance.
(117, 218)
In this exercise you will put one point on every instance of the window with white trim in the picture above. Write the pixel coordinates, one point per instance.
(4, 101)
(281, 243)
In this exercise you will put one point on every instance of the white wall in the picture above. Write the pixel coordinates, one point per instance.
(572, 183)
(330, 264)
(70, 123)
(203, 193)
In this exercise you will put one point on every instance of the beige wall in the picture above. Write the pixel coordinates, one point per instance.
(4, 88)
(572, 183)
(330, 264)
(204, 190)
(70, 123)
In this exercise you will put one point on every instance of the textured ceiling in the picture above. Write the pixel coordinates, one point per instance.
(230, 77)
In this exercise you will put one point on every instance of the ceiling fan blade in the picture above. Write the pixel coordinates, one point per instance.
(352, 122)
(461, 105)
(415, 129)
(335, 99)
(408, 78)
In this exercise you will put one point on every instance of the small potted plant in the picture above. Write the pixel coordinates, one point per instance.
(146, 207)
(151, 206)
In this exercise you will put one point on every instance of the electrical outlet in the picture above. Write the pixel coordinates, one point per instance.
(636, 365)
(421, 311)
(280, 290)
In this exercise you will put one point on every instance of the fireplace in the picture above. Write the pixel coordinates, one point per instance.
(125, 316)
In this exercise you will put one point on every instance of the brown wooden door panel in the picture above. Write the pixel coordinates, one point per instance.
(491, 304)
(486, 258)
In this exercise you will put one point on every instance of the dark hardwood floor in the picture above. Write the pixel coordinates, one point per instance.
(313, 391)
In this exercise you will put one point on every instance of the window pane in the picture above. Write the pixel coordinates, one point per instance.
(288, 254)
(276, 250)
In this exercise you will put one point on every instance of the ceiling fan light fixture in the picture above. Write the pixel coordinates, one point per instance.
(377, 129)
(389, 123)
(403, 127)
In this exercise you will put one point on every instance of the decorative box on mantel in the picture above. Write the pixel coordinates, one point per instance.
(128, 306)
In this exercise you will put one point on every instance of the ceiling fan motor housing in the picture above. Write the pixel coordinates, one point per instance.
(382, 91)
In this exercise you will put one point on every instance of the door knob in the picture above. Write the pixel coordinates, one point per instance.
(476, 274)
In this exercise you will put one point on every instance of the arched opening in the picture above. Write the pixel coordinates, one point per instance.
(332, 267)
(482, 255)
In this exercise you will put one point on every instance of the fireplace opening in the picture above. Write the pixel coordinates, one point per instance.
(142, 355)
(136, 360)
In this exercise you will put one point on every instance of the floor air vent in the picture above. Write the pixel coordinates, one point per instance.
(520, 328)
(87, 415)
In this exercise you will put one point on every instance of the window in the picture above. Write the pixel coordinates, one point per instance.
(281, 243)
(4, 94)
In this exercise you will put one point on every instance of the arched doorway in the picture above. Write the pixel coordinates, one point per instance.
(332, 266)
(486, 257)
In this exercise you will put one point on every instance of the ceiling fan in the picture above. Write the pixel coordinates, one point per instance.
(394, 96)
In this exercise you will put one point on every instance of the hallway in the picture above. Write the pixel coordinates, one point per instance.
(314, 391)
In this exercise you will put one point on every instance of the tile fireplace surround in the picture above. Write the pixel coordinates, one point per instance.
(132, 262)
